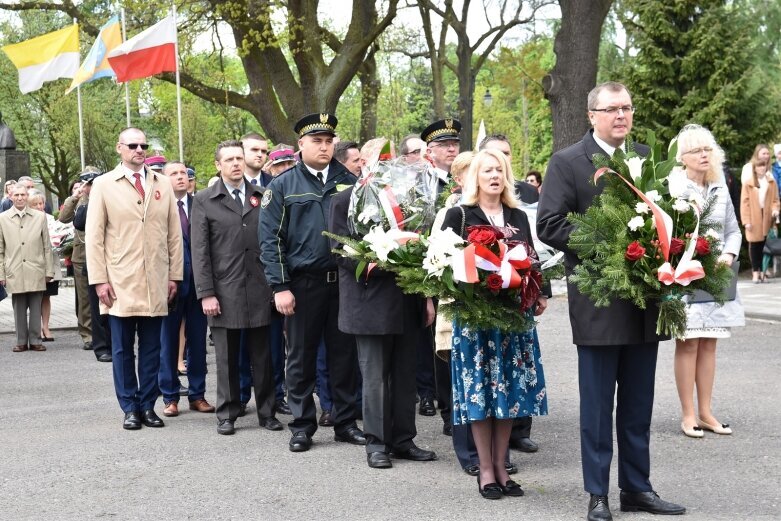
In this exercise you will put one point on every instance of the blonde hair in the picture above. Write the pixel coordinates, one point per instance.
(460, 166)
(696, 136)
(34, 195)
(471, 187)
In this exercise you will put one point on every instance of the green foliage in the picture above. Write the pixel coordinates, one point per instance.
(706, 62)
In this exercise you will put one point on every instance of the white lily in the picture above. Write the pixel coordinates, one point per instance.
(677, 182)
(635, 165)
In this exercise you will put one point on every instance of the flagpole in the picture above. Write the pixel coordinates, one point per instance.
(81, 117)
(127, 89)
(178, 87)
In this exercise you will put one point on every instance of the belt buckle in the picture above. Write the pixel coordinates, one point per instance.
(330, 276)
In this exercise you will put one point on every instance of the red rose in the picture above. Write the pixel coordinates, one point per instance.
(493, 282)
(634, 252)
(485, 235)
(676, 246)
(702, 247)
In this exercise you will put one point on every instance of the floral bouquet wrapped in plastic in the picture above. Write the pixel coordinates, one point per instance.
(393, 195)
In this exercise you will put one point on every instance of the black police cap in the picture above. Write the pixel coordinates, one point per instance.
(89, 176)
(318, 123)
(444, 129)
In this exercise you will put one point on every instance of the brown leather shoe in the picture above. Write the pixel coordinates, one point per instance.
(37, 347)
(20, 349)
(171, 409)
(201, 406)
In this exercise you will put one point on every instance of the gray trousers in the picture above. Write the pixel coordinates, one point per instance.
(389, 389)
(28, 329)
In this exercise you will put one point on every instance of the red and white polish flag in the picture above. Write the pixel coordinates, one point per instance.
(150, 52)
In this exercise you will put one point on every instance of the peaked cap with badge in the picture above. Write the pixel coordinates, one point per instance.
(317, 123)
(444, 129)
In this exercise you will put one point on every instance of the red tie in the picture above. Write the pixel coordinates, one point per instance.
(139, 186)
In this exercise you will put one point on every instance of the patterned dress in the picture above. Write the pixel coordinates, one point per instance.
(496, 375)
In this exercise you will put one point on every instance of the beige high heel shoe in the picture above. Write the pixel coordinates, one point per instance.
(692, 432)
(721, 428)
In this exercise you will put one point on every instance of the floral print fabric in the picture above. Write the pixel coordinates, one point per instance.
(496, 375)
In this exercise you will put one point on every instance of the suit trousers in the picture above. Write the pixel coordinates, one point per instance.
(188, 308)
(316, 317)
(83, 314)
(226, 348)
(28, 329)
(600, 369)
(425, 368)
(135, 393)
(388, 390)
(99, 325)
(522, 428)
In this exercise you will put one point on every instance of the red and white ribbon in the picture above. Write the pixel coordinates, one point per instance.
(506, 264)
(391, 207)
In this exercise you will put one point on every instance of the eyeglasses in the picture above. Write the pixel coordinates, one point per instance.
(133, 146)
(449, 144)
(415, 152)
(626, 109)
(698, 151)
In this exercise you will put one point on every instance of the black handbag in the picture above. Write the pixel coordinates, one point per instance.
(772, 247)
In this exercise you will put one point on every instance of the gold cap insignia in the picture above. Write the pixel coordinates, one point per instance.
(449, 123)
(323, 118)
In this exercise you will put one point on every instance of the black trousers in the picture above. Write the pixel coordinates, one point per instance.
(101, 332)
(755, 254)
(388, 390)
(226, 348)
(315, 318)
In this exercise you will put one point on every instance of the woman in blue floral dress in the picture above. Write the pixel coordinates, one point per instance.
(497, 375)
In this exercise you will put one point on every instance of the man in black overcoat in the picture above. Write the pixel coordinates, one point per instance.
(386, 324)
(617, 345)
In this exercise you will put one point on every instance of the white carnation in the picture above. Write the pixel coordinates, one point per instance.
(681, 206)
(635, 223)
(642, 208)
(654, 196)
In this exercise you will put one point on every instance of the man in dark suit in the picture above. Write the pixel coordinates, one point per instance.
(386, 324)
(617, 345)
(187, 309)
(302, 272)
(230, 283)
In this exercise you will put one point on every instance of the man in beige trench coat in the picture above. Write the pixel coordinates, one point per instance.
(134, 258)
(25, 266)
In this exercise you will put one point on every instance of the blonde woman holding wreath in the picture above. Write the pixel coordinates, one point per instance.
(695, 354)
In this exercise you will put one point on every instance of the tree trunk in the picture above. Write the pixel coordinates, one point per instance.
(370, 92)
(466, 92)
(577, 52)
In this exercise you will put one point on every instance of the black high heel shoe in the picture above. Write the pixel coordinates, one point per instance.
(490, 491)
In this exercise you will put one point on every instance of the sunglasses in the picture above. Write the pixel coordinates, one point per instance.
(133, 146)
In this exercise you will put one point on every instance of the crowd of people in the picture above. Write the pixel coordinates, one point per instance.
(161, 268)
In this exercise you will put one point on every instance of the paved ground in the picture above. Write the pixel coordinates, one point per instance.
(65, 455)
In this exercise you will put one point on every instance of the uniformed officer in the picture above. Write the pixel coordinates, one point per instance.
(442, 146)
(302, 272)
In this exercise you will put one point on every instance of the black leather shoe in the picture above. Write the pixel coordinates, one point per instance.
(511, 468)
(352, 435)
(226, 427)
(447, 429)
(512, 489)
(648, 502)
(150, 419)
(599, 509)
(105, 357)
(282, 407)
(472, 470)
(132, 421)
(427, 406)
(524, 445)
(378, 460)
(243, 409)
(300, 442)
(325, 419)
(415, 453)
(490, 490)
(271, 423)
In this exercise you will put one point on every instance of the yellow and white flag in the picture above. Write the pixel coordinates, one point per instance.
(45, 58)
